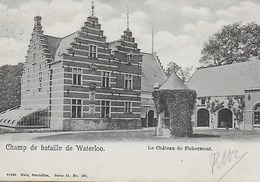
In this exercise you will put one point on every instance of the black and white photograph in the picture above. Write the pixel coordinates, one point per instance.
(130, 90)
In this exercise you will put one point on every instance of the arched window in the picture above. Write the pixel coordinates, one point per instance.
(256, 115)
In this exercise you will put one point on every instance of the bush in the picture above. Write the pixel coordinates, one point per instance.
(180, 105)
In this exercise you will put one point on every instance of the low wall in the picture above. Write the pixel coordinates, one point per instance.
(100, 124)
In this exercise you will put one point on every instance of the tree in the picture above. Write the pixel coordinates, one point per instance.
(183, 73)
(234, 43)
(10, 86)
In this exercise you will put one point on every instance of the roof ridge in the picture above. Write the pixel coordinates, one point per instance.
(52, 36)
(71, 34)
(225, 65)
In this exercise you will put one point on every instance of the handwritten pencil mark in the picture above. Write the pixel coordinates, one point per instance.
(217, 160)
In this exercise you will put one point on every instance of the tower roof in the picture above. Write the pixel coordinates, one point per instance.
(173, 83)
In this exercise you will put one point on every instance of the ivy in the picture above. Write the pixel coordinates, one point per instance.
(239, 111)
(215, 106)
(180, 105)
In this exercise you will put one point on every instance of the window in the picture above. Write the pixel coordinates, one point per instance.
(28, 83)
(76, 108)
(129, 58)
(128, 81)
(92, 109)
(105, 79)
(105, 109)
(77, 76)
(128, 107)
(34, 57)
(203, 101)
(257, 114)
(40, 84)
(93, 51)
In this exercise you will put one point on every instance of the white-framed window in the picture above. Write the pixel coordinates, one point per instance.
(128, 107)
(92, 51)
(76, 76)
(92, 109)
(128, 81)
(105, 82)
(256, 114)
(76, 108)
(105, 109)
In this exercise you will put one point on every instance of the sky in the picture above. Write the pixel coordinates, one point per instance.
(181, 27)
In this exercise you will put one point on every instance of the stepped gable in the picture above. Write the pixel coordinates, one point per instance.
(173, 83)
(152, 72)
(77, 43)
(126, 47)
(38, 42)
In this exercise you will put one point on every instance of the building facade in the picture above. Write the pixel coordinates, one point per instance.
(228, 96)
(83, 82)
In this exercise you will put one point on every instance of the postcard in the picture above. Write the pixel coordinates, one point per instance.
(140, 90)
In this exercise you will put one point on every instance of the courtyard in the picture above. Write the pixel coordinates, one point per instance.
(145, 134)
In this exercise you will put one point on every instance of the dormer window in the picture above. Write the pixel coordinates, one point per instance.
(130, 58)
(92, 51)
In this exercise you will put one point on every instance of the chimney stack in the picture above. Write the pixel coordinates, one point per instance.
(37, 24)
(37, 21)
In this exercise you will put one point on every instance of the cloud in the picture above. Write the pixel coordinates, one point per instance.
(178, 48)
(245, 11)
(59, 18)
(191, 12)
(181, 26)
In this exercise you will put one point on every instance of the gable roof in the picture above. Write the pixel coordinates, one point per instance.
(53, 43)
(226, 80)
(173, 83)
(152, 72)
(65, 43)
(59, 45)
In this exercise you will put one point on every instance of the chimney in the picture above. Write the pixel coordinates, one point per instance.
(37, 24)
(37, 21)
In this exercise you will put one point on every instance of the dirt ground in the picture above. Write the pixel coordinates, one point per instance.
(199, 135)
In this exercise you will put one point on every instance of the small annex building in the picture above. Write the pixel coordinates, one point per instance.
(228, 96)
(83, 82)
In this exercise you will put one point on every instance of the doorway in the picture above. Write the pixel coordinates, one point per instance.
(203, 118)
(225, 118)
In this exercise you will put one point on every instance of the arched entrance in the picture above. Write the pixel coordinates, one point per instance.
(151, 122)
(203, 118)
(256, 115)
(225, 118)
